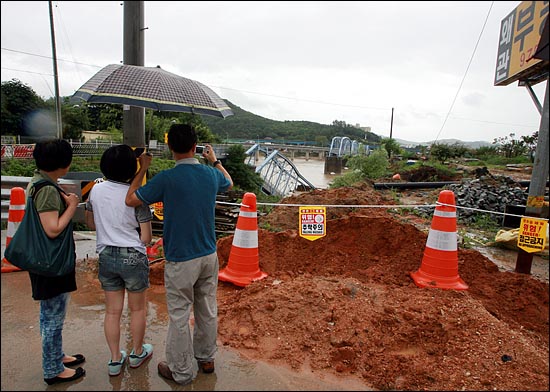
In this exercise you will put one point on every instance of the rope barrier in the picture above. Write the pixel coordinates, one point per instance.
(387, 206)
(495, 212)
(336, 205)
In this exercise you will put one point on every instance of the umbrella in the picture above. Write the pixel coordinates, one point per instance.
(151, 87)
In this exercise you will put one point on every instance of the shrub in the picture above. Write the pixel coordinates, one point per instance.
(373, 166)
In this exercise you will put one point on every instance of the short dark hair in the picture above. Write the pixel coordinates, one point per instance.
(181, 138)
(118, 163)
(53, 154)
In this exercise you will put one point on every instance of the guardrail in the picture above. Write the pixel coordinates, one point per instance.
(74, 182)
(90, 149)
(81, 183)
(87, 149)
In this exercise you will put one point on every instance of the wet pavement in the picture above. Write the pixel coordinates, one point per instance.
(83, 333)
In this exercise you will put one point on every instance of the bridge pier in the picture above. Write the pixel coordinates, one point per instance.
(307, 155)
(333, 164)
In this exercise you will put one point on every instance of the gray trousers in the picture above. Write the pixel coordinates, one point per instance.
(191, 285)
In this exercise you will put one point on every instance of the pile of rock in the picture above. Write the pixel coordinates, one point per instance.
(483, 196)
(488, 194)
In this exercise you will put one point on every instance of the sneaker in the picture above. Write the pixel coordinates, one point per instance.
(116, 367)
(137, 360)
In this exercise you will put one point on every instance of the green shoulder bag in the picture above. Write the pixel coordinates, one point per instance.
(32, 250)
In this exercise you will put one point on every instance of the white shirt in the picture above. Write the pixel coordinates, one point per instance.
(116, 223)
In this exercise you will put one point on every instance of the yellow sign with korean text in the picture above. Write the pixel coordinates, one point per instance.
(312, 222)
(158, 210)
(532, 235)
(520, 34)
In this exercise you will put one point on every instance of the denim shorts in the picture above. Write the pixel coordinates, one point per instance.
(123, 268)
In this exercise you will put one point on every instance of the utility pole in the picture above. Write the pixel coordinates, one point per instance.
(55, 78)
(391, 124)
(133, 120)
(538, 180)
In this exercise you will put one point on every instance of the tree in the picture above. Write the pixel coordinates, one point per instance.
(485, 152)
(110, 118)
(243, 175)
(391, 146)
(18, 100)
(509, 146)
(157, 124)
(203, 131)
(443, 152)
(75, 120)
(531, 144)
(321, 141)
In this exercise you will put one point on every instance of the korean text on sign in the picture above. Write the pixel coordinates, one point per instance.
(532, 235)
(520, 33)
(312, 222)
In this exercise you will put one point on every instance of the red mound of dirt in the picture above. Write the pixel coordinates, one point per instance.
(346, 303)
(282, 218)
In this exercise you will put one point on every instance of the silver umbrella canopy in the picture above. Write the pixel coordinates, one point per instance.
(151, 87)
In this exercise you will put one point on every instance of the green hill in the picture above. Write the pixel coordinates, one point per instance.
(249, 126)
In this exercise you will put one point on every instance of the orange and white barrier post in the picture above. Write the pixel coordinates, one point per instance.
(439, 266)
(243, 266)
(15, 216)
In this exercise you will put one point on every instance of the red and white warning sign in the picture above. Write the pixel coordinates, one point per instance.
(312, 222)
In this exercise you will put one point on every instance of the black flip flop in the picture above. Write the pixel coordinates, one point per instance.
(79, 359)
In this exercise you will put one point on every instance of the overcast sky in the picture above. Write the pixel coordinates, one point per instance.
(312, 61)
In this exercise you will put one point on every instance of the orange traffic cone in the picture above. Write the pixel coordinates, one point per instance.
(439, 266)
(243, 266)
(15, 216)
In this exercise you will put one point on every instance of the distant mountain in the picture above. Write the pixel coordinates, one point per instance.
(247, 125)
(250, 126)
(473, 145)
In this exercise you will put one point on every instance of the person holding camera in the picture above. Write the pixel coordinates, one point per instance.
(188, 193)
(122, 235)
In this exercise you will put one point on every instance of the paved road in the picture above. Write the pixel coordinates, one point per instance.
(83, 333)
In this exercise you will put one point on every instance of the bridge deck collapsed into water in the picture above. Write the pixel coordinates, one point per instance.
(279, 174)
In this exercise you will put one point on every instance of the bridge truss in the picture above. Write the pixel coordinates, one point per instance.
(279, 174)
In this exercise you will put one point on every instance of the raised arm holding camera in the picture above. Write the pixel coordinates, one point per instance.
(188, 193)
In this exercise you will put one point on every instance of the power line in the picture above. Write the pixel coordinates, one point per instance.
(466, 72)
(492, 122)
(20, 70)
(49, 57)
(303, 99)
